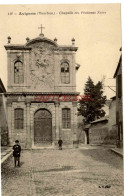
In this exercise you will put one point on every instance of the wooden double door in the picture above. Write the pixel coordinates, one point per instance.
(42, 128)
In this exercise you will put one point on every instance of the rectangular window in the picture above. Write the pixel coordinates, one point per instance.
(66, 118)
(19, 118)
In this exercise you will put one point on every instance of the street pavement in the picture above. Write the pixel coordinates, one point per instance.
(68, 172)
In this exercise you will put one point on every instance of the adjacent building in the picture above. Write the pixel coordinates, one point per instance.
(3, 116)
(119, 116)
(98, 131)
(112, 121)
(103, 130)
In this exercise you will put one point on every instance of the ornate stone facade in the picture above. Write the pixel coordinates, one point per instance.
(39, 63)
(42, 66)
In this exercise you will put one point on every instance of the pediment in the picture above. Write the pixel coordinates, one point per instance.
(41, 40)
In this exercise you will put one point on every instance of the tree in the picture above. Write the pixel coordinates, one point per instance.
(92, 109)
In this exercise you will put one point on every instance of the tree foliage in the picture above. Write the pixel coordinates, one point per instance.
(92, 109)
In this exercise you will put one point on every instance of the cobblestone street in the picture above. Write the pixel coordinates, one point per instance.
(70, 172)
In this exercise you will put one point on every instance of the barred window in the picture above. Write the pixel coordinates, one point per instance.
(18, 72)
(65, 75)
(19, 118)
(66, 118)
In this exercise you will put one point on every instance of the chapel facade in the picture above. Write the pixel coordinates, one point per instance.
(41, 95)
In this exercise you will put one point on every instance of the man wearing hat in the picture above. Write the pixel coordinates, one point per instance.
(16, 152)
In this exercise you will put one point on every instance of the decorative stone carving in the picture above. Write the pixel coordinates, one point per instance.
(18, 55)
(42, 66)
(64, 56)
(42, 105)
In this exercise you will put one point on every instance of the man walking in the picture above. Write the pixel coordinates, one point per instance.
(60, 143)
(16, 152)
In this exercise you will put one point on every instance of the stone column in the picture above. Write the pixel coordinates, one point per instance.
(73, 72)
(28, 131)
(26, 71)
(74, 121)
(10, 71)
(57, 120)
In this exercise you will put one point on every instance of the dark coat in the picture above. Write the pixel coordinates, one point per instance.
(16, 150)
(60, 142)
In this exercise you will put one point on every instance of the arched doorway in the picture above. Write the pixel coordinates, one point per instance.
(42, 127)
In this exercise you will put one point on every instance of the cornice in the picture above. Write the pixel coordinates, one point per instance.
(40, 93)
(17, 47)
(66, 48)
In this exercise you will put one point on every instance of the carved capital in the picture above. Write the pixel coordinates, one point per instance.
(57, 104)
(9, 102)
(74, 104)
(28, 103)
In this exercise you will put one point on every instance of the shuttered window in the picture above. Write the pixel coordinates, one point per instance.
(65, 73)
(18, 73)
(66, 118)
(19, 118)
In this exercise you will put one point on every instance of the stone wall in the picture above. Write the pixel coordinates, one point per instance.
(112, 121)
(26, 135)
(41, 59)
(119, 106)
(80, 130)
(16, 134)
(3, 122)
(98, 133)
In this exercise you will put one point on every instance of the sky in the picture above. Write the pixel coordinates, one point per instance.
(97, 36)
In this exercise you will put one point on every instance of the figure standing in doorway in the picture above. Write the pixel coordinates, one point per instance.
(60, 143)
(16, 153)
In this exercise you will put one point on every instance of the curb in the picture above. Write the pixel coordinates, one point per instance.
(6, 157)
(116, 152)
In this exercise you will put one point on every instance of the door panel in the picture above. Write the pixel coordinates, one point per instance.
(42, 127)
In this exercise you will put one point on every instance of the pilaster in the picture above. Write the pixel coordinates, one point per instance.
(74, 121)
(9, 117)
(28, 128)
(57, 120)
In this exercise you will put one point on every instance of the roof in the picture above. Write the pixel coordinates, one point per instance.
(105, 118)
(2, 88)
(108, 102)
(114, 97)
(87, 126)
(28, 45)
(118, 66)
(41, 38)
